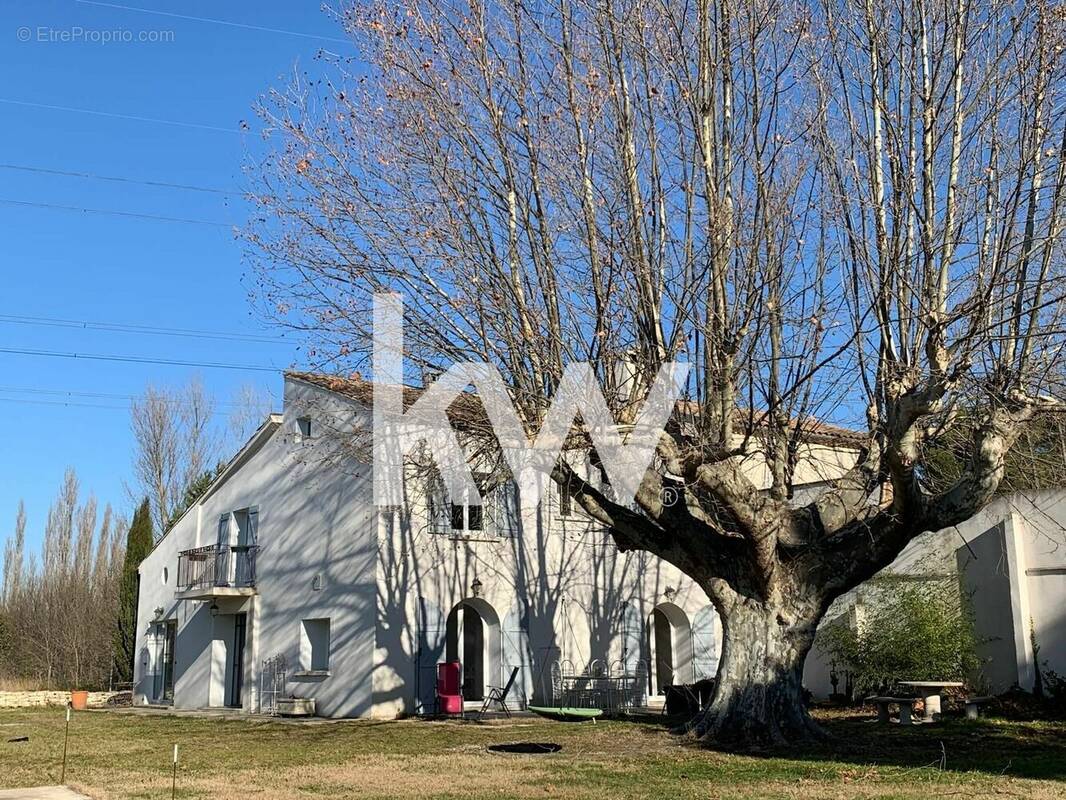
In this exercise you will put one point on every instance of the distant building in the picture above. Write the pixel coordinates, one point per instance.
(1010, 561)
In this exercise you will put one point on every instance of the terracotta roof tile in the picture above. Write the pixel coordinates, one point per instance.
(466, 408)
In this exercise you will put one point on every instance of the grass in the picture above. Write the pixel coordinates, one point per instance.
(19, 685)
(127, 755)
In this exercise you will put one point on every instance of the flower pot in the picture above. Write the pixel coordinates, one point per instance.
(79, 699)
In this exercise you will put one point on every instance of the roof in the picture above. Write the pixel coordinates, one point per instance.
(248, 449)
(467, 408)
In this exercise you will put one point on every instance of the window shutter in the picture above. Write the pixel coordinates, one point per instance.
(223, 530)
(491, 518)
(507, 515)
(222, 559)
(432, 634)
(253, 526)
(565, 508)
(704, 644)
(437, 506)
(515, 646)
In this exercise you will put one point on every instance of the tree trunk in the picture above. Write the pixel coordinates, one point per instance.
(758, 700)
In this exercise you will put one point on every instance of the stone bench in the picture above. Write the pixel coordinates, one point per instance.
(973, 704)
(906, 705)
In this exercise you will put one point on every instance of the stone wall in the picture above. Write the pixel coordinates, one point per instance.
(57, 698)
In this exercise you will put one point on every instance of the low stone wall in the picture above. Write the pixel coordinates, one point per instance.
(57, 698)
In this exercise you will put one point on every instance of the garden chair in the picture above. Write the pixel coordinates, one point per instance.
(449, 695)
(498, 695)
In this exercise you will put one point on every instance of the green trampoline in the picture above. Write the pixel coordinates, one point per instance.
(566, 714)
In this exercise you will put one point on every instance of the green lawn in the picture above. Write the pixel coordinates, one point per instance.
(127, 755)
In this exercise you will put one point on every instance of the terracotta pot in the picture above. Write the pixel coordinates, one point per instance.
(79, 699)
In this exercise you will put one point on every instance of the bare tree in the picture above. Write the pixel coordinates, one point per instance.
(14, 555)
(249, 408)
(199, 442)
(60, 611)
(176, 443)
(850, 208)
(155, 464)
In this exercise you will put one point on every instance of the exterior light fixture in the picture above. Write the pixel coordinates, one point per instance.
(214, 609)
(476, 587)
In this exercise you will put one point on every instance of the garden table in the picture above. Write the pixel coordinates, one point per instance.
(931, 695)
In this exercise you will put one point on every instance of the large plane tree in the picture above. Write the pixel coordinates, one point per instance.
(842, 209)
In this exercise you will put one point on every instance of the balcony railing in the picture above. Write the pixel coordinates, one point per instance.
(221, 566)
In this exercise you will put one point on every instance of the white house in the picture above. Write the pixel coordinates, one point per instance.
(1009, 561)
(286, 562)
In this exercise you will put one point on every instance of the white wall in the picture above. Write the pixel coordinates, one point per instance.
(316, 543)
(559, 588)
(1010, 559)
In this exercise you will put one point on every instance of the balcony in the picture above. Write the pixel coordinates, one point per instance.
(216, 571)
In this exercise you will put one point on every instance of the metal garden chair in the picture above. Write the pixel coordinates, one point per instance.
(498, 695)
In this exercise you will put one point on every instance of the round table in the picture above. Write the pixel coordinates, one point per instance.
(931, 695)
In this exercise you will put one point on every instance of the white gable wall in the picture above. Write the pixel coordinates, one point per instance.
(316, 542)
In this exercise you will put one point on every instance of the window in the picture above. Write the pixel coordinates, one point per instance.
(303, 428)
(467, 518)
(566, 506)
(247, 520)
(314, 645)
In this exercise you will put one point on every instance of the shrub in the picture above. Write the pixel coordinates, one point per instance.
(910, 631)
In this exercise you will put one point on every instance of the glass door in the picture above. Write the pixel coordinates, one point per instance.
(236, 682)
(165, 635)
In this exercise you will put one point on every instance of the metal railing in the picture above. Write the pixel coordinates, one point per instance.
(217, 565)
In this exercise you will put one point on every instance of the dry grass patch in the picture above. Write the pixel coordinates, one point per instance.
(127, 755)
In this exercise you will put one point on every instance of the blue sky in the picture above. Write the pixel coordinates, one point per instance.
(202, 77)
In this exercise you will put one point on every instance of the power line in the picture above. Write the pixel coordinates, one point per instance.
(133, 214)
(213, 21)
(136, 359)
(118, 179)
(114, 115)
(60, 403)
(177, 401)
(119, 327)
(75, 404)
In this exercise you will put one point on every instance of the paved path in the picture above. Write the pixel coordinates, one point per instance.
(41, 793)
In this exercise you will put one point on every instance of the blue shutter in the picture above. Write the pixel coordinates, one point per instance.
(438, 508)
(632, 638)
(432, 630)
(253, 526)
(704, 643)
(222, 556)
(634, 653)
(516, 654)
(507, 513)
(223, 530)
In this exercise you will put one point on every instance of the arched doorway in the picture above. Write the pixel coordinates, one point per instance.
(670, 647)
(473, 639)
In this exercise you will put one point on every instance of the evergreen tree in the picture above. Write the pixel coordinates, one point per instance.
(194, 491)
(139, 543)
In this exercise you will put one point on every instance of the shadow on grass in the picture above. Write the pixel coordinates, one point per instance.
(988, 745)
